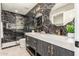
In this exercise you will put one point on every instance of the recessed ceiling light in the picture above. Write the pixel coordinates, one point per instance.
(16, 10)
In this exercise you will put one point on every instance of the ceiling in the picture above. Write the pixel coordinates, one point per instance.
(58, 5)
(20, 8)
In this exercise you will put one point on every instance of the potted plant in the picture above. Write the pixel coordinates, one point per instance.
(70, 30)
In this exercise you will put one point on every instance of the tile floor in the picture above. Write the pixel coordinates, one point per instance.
(14, 51)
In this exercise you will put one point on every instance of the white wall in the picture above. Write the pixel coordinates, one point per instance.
(77, 28)
(1, 32)
(69, 16)
(63, 8)
(0, 26)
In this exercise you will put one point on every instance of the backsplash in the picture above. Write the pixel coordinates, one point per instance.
(47, 26)
(44, 9)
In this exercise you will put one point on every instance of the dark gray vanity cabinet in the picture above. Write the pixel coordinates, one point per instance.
(46, 49)
(59, 51)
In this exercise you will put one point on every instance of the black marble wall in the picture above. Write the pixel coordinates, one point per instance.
(11, 33)
(47, 26)
(8, 17)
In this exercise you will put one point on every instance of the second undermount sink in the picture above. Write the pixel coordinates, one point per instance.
(71, 40)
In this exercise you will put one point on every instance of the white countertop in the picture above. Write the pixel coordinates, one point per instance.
(61, 41)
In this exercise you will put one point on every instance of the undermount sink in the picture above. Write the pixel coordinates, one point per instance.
(71, 40)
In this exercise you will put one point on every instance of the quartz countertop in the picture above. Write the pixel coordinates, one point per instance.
(61, 41)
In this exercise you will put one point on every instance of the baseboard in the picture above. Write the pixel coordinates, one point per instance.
(9, 44)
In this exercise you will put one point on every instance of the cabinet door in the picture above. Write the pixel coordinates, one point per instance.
(33, 43)
(46, 49)
(43, 48)
(58, 51)
(28, 41)
(39, 47)
(65, 52)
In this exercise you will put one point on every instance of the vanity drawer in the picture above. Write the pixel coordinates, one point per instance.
(32, 42)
